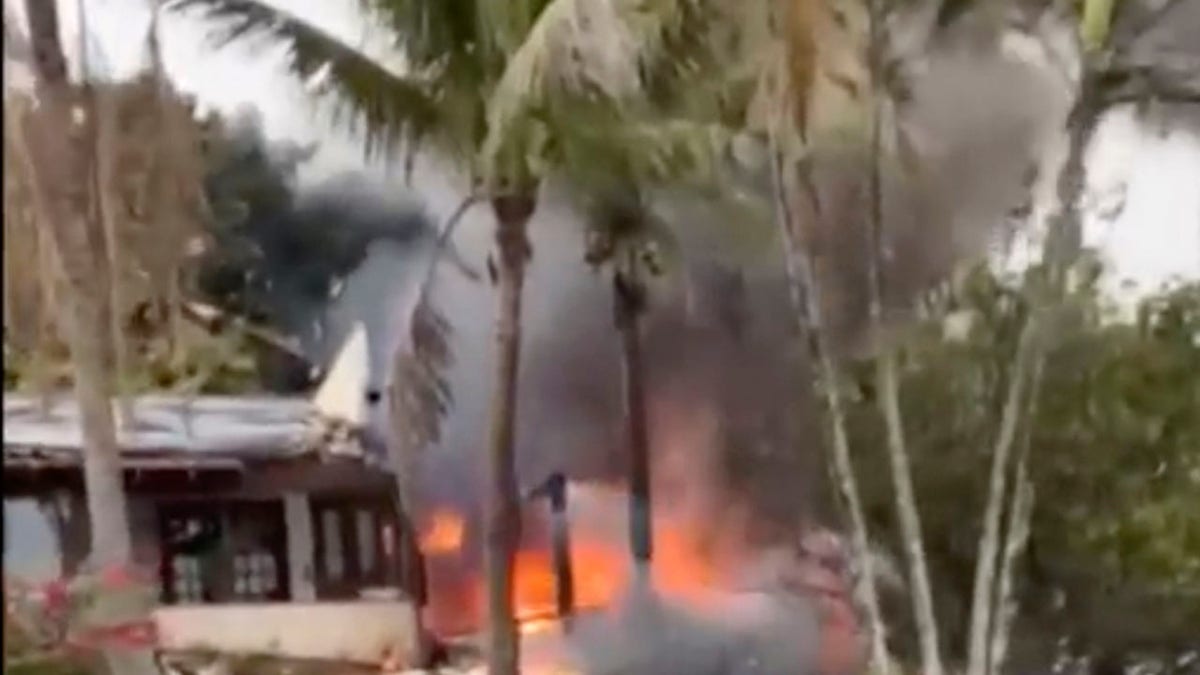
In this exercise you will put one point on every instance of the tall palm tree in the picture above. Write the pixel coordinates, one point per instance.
(61, 143)
(622, 232)
(490, 85)
(838, 92)
(61, 162)
(800, 98)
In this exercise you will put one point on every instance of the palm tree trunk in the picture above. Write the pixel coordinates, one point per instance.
(804, 294)
(1016, 537)
(887, 381)
(103, 161)
(107, 200)
(629, 297)
(1017, 540)
(60, 143)
(1061, 248)
(910, 519)
(59, 135)
(503, 499)
(982, 609)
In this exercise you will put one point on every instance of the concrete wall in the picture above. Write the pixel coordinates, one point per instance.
(361, 632)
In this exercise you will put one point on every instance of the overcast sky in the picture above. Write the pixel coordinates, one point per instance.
(1156, 170)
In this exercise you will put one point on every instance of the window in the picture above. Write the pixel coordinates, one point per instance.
(255, 575)
(191, 541)
(351, 549)
(222, 552)
(187, 583)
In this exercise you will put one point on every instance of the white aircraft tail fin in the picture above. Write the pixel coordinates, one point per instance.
(343, 394)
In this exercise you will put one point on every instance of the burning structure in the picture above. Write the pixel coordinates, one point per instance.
(733, 585)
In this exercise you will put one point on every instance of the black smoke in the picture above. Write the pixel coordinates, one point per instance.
(282, 254)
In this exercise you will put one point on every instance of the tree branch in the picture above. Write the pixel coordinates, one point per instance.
(214, 320)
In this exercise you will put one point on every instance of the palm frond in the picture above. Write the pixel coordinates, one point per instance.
(420, 392)
(575, 48)
(609, 145)
(434, 33)
(385, 104)
(611, 54)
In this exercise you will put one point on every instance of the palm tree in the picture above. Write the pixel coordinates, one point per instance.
(799, 95)
(886, 376)
(832, 93)
(622, 232)
(490, 85)
(61, 163)
(60, 156)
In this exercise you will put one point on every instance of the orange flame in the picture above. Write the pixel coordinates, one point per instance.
(601, 569)
(445, 534)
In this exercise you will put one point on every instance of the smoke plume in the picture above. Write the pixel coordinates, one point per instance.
(975, 124)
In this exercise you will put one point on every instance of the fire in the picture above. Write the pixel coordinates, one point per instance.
(601, 568)
(445, 534)
(597, 569)
(600, 571)
(538, 626)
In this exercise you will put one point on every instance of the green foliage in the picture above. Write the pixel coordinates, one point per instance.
(372, 96)
(189, 361)
(1128, 394)
(1115, 456)
(223, 363)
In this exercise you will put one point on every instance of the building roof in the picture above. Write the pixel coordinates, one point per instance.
(206, 429)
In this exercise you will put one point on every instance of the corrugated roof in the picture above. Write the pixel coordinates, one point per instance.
(208, 425)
